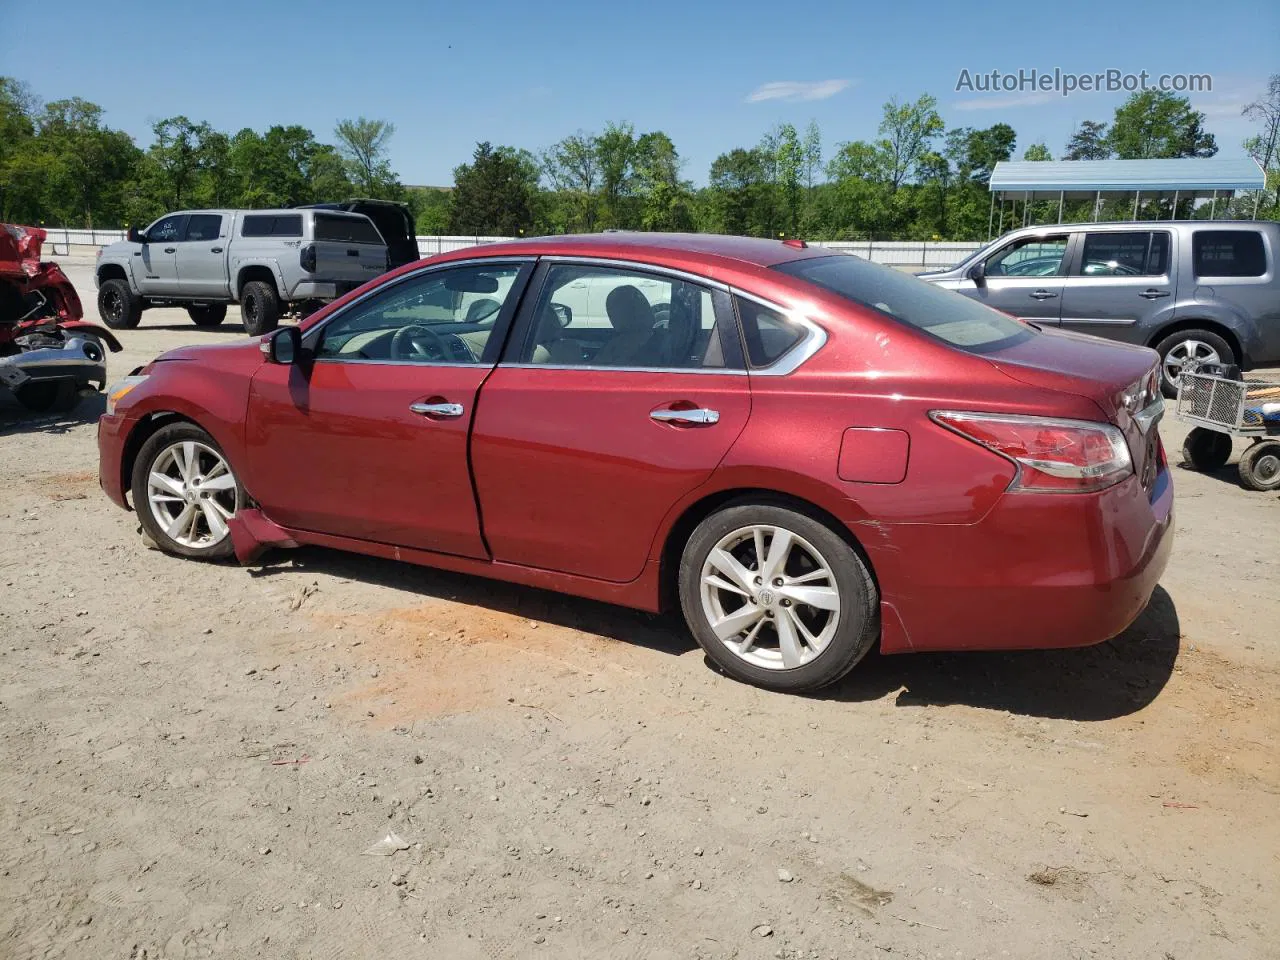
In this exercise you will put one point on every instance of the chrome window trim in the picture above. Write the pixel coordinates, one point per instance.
(814, 339)
(716, 371)
(313, 334)
(638, 266)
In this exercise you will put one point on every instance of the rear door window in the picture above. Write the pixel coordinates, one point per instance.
(204, 226)
(346, 229)
(1142, 253)
(1228, 253)
(272, 225)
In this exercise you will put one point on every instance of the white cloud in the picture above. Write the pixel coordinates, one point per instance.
(1004, 103)
(797, 90)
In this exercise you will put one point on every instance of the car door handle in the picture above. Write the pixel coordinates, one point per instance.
(215, 249)
(170, 249)
(1153, 294)
(1043, 295)
(353, 253)
(446, 410)
(687, 417)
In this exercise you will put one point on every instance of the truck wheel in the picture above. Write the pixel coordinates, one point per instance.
(1260, 466)
(1206, 449)
(118, 306)
(1189, 347)
(259, 307)
(209, 316)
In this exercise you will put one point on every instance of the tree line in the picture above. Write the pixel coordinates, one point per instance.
(60, 164)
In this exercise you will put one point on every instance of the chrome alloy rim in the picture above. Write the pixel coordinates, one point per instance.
(1193, 352)
(192, 493)
(770, 597)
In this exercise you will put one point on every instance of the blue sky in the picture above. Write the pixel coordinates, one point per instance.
(713, 75)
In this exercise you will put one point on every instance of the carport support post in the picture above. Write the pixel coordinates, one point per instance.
(1097, 202)
(1060, 197)
(991, 213)
(1213, 205)
(1175, 205)
(1137, 194)
(1256, 197)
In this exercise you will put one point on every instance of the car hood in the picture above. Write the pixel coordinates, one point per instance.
(1076, 363)
(211, 352)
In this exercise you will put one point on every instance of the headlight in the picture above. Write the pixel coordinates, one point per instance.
(120, 388)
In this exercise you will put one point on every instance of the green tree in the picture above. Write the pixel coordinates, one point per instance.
(615, 159)
(1037, 151)
(572, 167)
(1155, 124)
(1089, 142)
(666, 200)
(742, 194)
(1264, 146)
(88, 164)
(176, 161)
(363, 144)
(976, 152)
(907, 133)
(494, 193)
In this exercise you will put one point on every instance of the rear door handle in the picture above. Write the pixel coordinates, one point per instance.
(170, 249)
(686, 417)
(353, 253)
(442, 410)
(1043, 295)
(1153, 294)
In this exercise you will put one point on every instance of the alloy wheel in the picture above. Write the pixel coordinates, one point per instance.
(114, 305)
(192, 494)
(770, 597)
(1184, 352)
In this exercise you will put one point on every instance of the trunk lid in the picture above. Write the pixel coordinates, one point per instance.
(1122, 379)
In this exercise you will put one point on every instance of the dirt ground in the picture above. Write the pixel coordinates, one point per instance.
(195, 759)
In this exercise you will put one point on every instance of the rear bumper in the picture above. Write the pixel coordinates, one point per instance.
(113, 431)
(1039, 571)
(324, 289)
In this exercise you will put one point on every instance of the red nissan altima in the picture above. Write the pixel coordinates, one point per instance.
(804, 451)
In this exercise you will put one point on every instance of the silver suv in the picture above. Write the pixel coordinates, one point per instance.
(268, 261)
(1195, 290)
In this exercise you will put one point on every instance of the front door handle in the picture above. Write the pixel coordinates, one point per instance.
(170, 249)
(215, 249)
(687, 417)
(1043, 295)
(442, 410)
(1153, 294)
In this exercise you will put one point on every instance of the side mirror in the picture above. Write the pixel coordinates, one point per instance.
(283, 347)
(977, 273)
(136, 235)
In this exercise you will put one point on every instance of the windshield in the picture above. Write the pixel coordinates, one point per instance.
(950, 317)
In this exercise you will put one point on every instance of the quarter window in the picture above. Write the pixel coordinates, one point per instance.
(768, 333)
(1138, 254)
(590, 316)
(204, 226)
(1228, 253)
(447, 316)
(1029, 257)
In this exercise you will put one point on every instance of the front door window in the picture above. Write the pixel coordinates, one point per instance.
(1029, 257)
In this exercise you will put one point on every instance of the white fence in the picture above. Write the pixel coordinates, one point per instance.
(894, 253)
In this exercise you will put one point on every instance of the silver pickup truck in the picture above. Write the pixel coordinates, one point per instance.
(268, 261)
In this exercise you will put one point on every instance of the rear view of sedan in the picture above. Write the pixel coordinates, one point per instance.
(805, 453)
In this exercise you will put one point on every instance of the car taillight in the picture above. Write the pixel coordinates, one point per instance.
(1052, 455)
(307, 258)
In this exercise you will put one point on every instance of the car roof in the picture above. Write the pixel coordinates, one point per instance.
(660, 246)
(1138, 225)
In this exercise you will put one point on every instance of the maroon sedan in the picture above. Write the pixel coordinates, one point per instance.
(805, 451)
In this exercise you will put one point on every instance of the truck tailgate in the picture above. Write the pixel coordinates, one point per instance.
(349, 261)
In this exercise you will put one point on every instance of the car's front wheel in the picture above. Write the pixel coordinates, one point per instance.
(185, 491)
(777, 598)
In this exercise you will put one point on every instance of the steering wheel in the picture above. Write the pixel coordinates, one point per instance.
(416, 342)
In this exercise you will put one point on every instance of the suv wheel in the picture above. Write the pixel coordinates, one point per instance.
(208, 316)
(1189, 347)
(185, 491)
(259, 307)
(777, 598)
(118, 306)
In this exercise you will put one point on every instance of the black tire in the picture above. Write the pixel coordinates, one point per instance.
(857, 624)
(259, 307)
(1206, 449)
(1219, 346)
(48, 396)
(118, 306)
(208, 316)
(149, 459)
(1260, 466)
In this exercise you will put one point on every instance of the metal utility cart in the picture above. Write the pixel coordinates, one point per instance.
(1223, 406)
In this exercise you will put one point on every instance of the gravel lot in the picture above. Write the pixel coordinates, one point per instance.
(194, 759)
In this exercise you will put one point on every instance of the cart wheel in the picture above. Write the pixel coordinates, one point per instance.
(1260, 466)
(1206, 449)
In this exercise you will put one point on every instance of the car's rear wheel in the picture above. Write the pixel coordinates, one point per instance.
(208, 316)
(118, 307)
(777, 598)
(1260, 466)
(259, 307)
(1206, 449)
(1188, 349)
(185, 491)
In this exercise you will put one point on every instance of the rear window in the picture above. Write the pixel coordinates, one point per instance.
(272, 225)
(1228, 253)
(346, 229)
(951, 317)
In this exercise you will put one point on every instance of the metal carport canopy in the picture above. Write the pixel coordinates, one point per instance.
(1188, 176)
